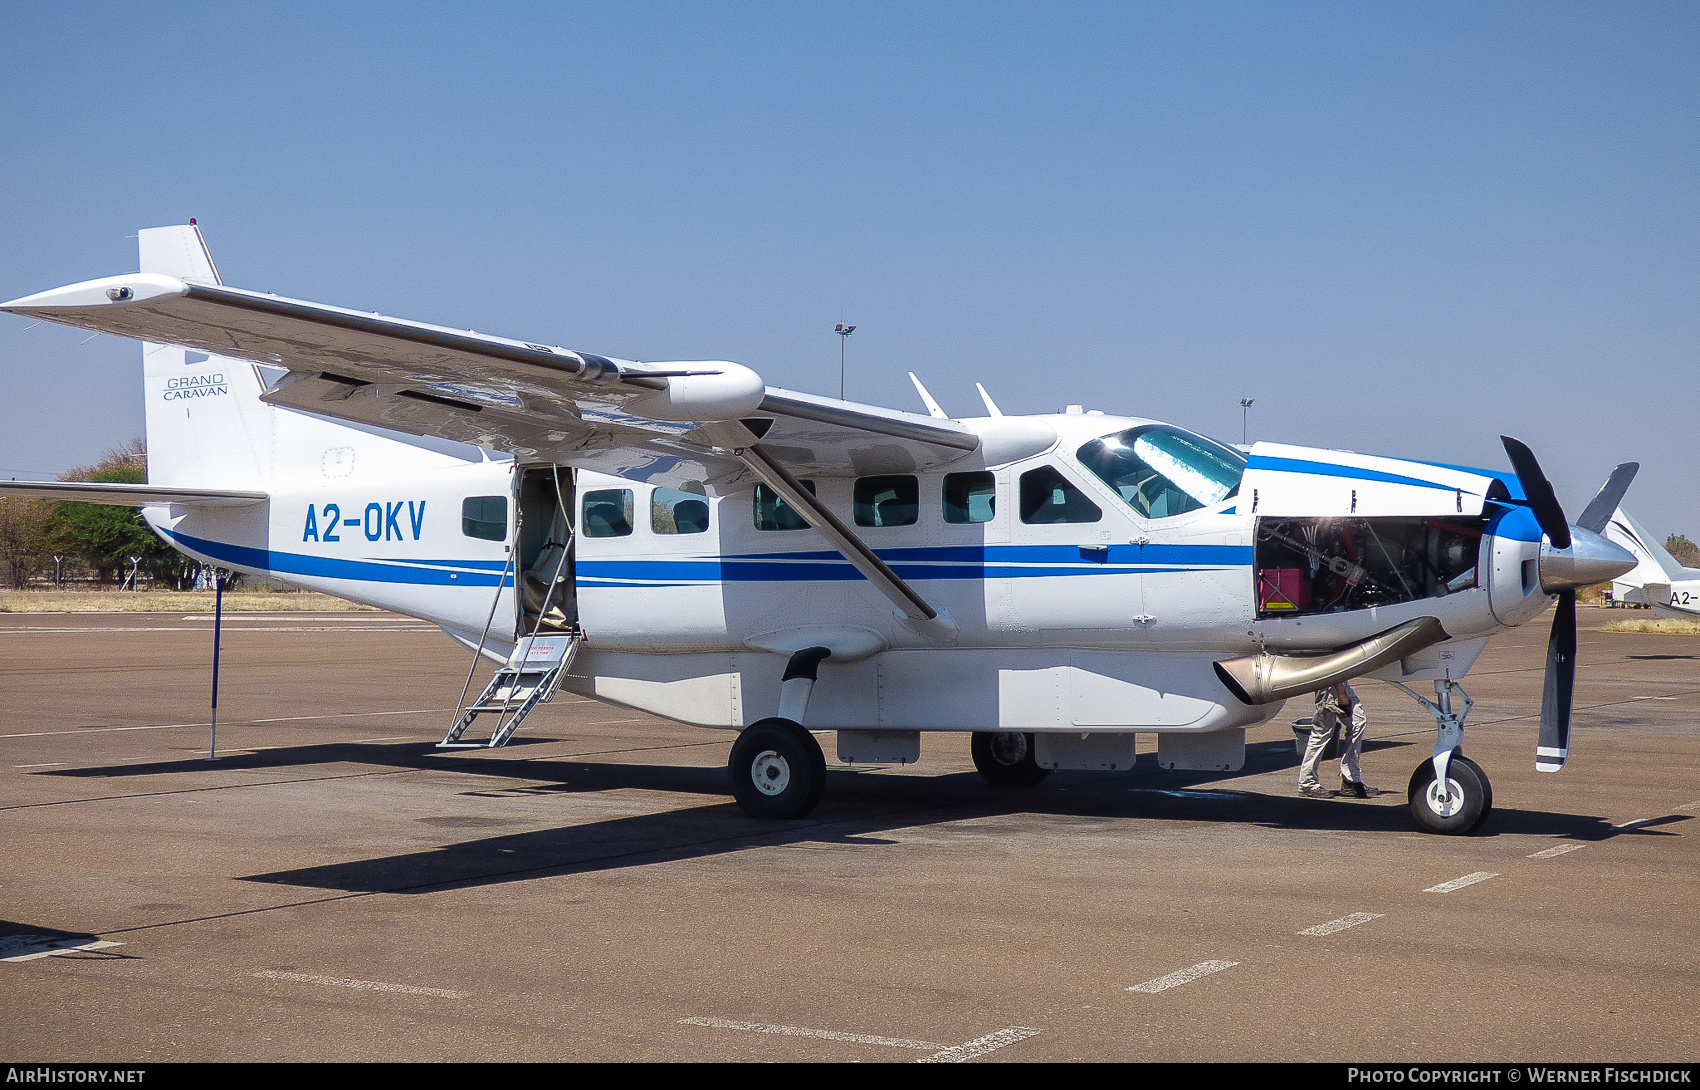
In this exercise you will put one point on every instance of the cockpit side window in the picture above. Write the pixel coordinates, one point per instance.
(1163, 471)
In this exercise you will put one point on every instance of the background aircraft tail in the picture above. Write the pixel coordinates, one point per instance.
(1649, 582)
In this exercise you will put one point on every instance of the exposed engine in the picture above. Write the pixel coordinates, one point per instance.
(1327, 565)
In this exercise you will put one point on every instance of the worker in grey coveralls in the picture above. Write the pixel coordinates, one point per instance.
(1336, 705)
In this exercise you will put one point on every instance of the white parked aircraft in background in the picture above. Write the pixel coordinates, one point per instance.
(1658, 579)
(683, 539)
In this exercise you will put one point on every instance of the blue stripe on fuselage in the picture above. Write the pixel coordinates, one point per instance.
(953, 562)
(1227, 556)
(1334, 469)
(1515, 523)
(330, 567)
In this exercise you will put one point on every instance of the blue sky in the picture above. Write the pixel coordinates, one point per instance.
(1403, 229)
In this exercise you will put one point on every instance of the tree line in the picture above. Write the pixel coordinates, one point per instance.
(92, 541)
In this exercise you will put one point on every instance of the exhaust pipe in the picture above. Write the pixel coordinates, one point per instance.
(1265, 678)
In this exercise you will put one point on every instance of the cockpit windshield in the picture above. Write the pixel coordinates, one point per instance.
(1162, 471)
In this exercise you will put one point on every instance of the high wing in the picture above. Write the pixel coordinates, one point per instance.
(663, 423)
(129, 495)
(640, 420)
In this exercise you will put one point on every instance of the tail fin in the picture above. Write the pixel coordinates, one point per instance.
(206, 425)
(1654, 564)
(208, 429)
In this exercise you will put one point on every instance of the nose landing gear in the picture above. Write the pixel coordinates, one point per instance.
(1449, 793)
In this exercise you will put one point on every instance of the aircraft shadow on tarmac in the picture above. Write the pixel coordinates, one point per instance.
(859, 806)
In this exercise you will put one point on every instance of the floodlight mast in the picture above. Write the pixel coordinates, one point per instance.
(843, 332)
(1245, 415)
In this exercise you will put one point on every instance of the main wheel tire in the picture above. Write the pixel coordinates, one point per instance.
(1469, 797)
(777, 770)
(1007, 758)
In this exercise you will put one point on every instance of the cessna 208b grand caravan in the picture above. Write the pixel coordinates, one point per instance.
(683, 539)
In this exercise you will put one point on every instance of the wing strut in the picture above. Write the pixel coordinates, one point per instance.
(902, 595)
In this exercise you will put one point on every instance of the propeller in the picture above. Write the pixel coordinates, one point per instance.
(1571, 560)
(1539, 492)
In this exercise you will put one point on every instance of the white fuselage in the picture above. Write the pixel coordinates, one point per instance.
(1108, 625)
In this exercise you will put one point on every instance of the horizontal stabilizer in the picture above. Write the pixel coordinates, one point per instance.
(129, 495)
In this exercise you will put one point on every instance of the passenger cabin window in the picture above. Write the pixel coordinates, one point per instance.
(674, 512)
(970, 497)
(607, 513)
(1162, 471)
(484, 517)
(773, 513)
(892, 500)
(1047, 497)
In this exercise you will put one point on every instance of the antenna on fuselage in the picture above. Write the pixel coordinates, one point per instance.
(991, 406)
(927, 399)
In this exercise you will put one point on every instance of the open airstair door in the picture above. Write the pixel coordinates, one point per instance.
(529, 677)
(547, 600)
(546, 632)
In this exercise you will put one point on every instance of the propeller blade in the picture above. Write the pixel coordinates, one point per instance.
(1539, 491)
(1599, 510)
(1560, 689)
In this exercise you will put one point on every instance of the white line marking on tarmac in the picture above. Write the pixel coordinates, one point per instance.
(360, 616)
(1633, 824)
(1553, 853)
(202, 631)
(822, 1034)
(31, 947)
(362, 985)
(390, 738)
(1182, 976)
(40, 764)
(1342, 923)
(233, 723)
(1695, 805)
(1459, 883)
(978, 1047)
(1217, 796)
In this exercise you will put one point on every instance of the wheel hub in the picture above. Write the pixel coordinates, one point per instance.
(1451, 804)
(771, 772)
(1009, 747)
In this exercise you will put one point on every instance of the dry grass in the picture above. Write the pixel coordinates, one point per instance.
(165, 601)
(1655, 624)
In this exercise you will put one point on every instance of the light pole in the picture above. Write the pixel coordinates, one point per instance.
(1245, 415)
(843, 332)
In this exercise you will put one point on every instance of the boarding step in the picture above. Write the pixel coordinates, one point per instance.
(529, 677)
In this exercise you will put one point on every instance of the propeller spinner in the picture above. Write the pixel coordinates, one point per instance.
(1571, 557)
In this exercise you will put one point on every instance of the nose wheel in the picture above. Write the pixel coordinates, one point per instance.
(777, 770)
(1458, 810)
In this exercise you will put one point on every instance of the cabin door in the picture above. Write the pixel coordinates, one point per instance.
(547, 599)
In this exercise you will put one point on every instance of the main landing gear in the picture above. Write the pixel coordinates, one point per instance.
(1449, 793)
(777, 768)
(1006, 758)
